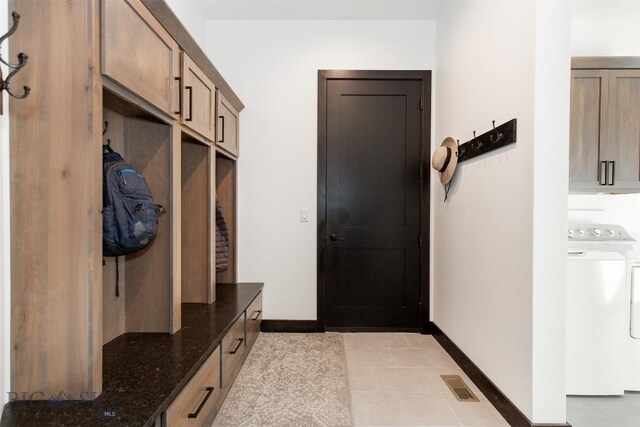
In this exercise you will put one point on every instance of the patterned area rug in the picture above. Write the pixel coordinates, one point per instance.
(291, 380)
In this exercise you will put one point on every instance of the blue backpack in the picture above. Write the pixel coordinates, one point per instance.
(129, 216)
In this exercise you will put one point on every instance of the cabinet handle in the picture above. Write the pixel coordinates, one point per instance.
(190, 89)
(235, 350)
(603, 175)
(613, 173)
(179, 80)
(206, 397)
(256, 314)
(222, 117)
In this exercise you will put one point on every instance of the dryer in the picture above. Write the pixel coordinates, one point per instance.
(602, 245)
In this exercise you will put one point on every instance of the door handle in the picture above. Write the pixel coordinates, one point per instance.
(222, 139)
(335, 238)
(235, 350)
(206, 397)
(179, 80)
(256, 314)
(190, 89)
(603, 174)
(613, 173)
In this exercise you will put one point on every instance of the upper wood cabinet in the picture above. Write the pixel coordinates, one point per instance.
(139, 54)
(622, 150)
(198, 100)
(228, 122)
(589, 98)
(605, 131)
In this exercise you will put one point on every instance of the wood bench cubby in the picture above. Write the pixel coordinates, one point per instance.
(145, 279)
(198, 222)
(125, 70)
(226, 193)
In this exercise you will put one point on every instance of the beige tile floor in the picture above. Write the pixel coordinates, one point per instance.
(395, 381)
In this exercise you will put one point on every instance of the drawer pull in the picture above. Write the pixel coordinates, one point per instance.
(235, 350)
(222, 139)
(206, 397)
(190, 89)
(256, 314)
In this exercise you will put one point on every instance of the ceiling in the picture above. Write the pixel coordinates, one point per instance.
(383, 9)
(319, 9)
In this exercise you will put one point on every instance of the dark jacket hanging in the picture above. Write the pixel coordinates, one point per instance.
(222, 240)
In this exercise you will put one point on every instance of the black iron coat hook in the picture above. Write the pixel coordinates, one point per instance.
(22, 61)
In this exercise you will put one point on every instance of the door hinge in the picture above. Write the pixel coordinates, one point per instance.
(419, 310)
(419, 240)
(421, 104)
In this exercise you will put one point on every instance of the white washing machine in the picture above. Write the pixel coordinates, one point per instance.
(603, 310)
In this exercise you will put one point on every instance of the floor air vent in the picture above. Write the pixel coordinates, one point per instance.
(459, 388)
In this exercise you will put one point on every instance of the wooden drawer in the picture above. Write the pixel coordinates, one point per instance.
(195, 405)
(138, 53)
(254, 317)
(234, 345)
(228, 122)
(198, 100)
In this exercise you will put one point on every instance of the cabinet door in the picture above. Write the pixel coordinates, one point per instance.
(589, 98)
(623, 146)
(228, 122)
(199, 94)
(138, 53)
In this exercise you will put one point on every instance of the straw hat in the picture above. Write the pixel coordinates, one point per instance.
(445, 159)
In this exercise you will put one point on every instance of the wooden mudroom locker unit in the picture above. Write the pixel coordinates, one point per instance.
(127, 73)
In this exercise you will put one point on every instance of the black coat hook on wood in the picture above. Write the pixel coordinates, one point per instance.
(475, 144)
(22, 61)
(460, 152)
(493, 139)
(106, 126)
(499, 135)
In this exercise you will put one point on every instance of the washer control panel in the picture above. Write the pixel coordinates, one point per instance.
(598, 233)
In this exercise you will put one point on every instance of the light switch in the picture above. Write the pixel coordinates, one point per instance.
(304, 215)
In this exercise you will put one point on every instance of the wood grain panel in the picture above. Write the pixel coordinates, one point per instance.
(55, 202)
(233, 348)
(254, 318)
(623, 146)
(226, 193)
(196, 226)
(589, 97)
(605, 62)
(138, 53)
(187, 402)
(199, 94)
(161, 10)
(149, 272)
(228, 126)
(113, 307)
(176, 227)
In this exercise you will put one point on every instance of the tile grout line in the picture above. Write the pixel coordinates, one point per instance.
(452, 410)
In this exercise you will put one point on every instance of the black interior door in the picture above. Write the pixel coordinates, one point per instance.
(373, 199)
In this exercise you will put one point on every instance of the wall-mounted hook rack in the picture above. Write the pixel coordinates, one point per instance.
(22, 61)
(498, 137)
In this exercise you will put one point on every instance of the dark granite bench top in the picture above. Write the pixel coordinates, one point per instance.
(144, 373)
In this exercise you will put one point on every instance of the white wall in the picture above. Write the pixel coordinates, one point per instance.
(191, 14)
(610, 28)
(551, 184)
(488, 260)
(272, 66)
(5, 277)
